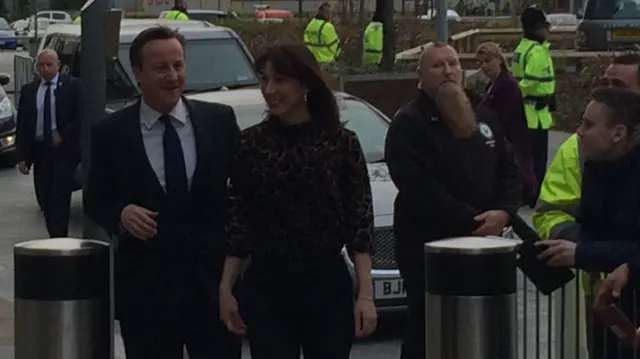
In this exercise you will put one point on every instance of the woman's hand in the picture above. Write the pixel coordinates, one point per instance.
(366, 317)
(230, 314)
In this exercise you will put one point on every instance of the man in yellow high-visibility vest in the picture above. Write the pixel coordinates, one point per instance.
(533, 67)
(320, 36)
(178, 11)
(372, 41)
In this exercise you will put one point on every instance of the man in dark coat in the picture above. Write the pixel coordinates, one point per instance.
(454, 172)
(610, 203)
(48, 138)
(162, 191)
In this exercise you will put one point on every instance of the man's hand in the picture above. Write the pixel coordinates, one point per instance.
(23, 168)
(493, 222)
(139, 222)
(56, 139)
(559, 253)
(609, 290)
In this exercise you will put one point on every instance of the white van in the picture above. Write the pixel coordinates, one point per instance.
(55, 16)
(233, 65)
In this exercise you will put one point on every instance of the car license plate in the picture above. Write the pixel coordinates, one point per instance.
(389, 289)
(626, 33)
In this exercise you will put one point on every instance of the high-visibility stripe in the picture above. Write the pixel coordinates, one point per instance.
(555, 231)
(526, 54)
(536, 97)
(320, 32)
(536, 78)
(317, 45)
(567, 207)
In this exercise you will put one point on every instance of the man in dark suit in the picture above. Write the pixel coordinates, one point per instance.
(48, 137)
(158, 180)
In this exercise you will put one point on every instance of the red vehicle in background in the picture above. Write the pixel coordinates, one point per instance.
(264, 12)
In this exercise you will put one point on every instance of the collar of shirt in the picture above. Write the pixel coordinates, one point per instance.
(54, 80)
(149, 116)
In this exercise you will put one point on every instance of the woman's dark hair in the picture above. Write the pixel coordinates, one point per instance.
(296, 61)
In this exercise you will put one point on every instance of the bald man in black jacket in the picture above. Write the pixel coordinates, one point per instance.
(454, 172)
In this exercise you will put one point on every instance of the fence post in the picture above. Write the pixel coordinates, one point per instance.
(470, 295)
(62, 299)
(566, 303)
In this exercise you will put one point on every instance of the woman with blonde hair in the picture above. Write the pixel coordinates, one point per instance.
(503, 96)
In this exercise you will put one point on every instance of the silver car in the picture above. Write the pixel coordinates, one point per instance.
(371, 126)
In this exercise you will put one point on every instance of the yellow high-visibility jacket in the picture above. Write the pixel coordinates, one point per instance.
(322, 40)
(533, 67)
(555, 214)
(176, 15)
(372, 44)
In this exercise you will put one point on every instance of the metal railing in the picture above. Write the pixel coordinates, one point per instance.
(553, 326)
(23, 73)
(550, 327)
(563, 326)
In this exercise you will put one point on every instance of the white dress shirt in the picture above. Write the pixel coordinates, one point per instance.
(153, 132)
(42, 91)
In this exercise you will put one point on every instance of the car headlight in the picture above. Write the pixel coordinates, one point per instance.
(6, 108)
(7, 140)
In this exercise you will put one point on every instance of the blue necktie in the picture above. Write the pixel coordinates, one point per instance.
(175, 169)
(47, 132)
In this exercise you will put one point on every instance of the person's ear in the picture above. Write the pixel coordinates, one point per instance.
(620, 133)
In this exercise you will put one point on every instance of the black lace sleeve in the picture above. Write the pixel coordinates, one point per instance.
(356, 196)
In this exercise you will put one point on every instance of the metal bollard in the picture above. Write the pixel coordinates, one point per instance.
(33, 44)
(470, 294)
(63, 299)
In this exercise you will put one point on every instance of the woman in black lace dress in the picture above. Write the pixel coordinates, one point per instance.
(300, 192)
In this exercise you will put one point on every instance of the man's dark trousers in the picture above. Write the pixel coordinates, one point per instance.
(414, 345)
(162, 325)
(53, 172)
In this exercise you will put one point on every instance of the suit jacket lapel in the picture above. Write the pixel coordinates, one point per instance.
(139, 152)
(60, 92)
(199, 134)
